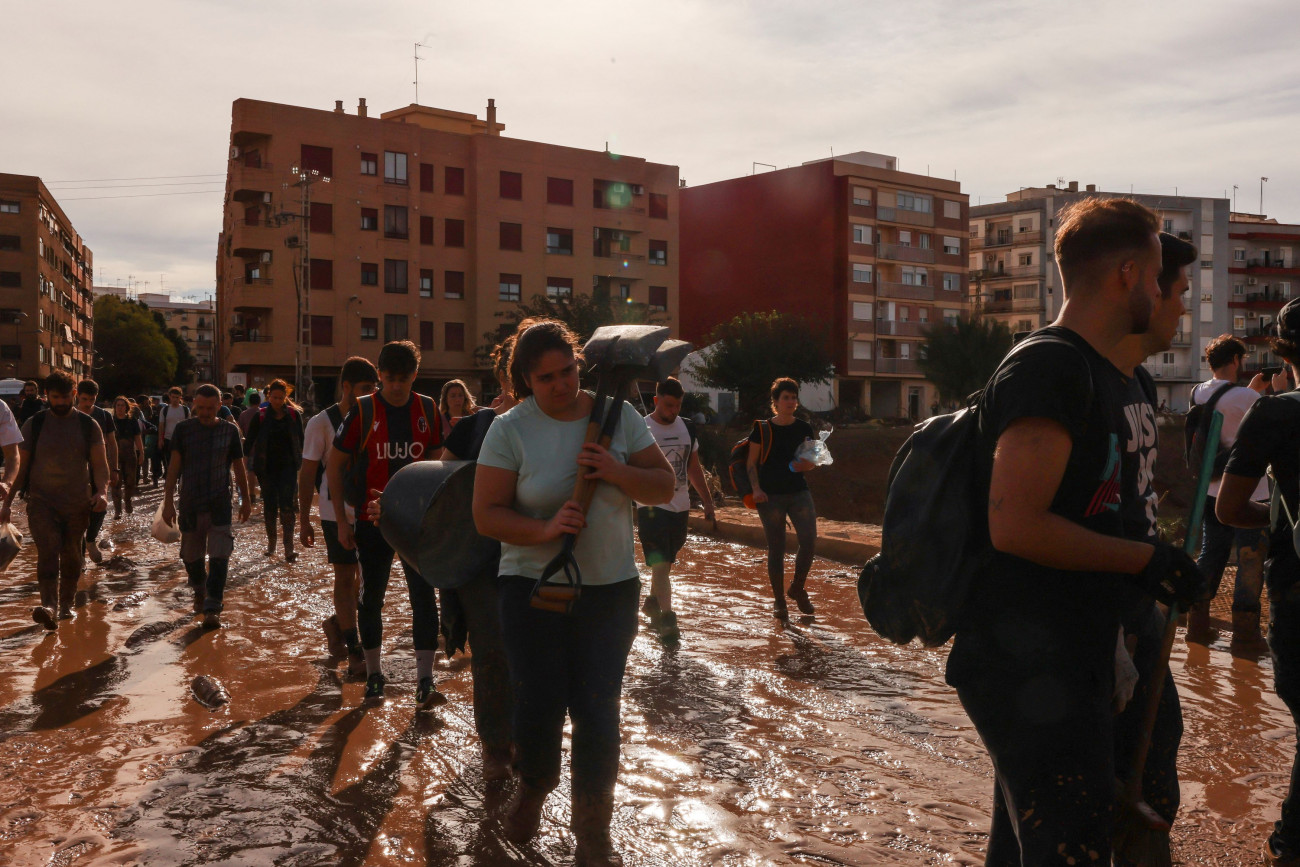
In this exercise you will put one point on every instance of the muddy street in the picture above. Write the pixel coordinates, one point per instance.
(752, 743)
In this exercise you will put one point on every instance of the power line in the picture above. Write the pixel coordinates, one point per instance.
(136, 186)
(153, 178)
(140, 195)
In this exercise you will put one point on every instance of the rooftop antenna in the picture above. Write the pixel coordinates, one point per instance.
(418, 46)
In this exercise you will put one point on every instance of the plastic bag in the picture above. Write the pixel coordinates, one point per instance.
(815, 451)
(162, 531)
(11, 542)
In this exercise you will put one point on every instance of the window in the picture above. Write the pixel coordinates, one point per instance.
(861, 273)
(923, 314)
(395, 327)
(426, 282)
(1024, 290)
(512, 185)
(369, 328)
(1239, 322)
(658, 206)
(322, 218)
(1207, 297)
(904, 238)
(951, 210)
(453, 284)
(559, 191)
(1207, 264)
(395, 222)
(914, 202)
(369, 164)
(394, 168)
(559, 242)
(658, 299)
(862, 350)
(369, 274)
(951, 246)
(1169, 226)
(923, 240)
(512, 236)
(913, 276)
(11, 351)
(426, 334)
(1026, 259)
(1239, 289)
(624, 291)
(1239, 254)
(8, 207)
(905, 350)
(559, 287)
(952, 282)
(11, 279)
(369, 219)
(322, 275)
(862, 311)
(395, 276)
(951, 317)
(658, 252)
(453, 233)
(426, 178)
(318, 159)
(426, 231)
(322, 330)
(13, 316)
(508, 287)
(453, 181)
(1167, 357)
(453, 336)
(861, 234)
(11, 242)
(862, 196)
(904, 314)
(1026, 225)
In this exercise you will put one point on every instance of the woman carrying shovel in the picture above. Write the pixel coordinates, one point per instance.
(565, 662)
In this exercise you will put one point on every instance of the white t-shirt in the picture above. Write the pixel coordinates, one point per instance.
(675, 442)
(317, 442)
(1234, 403)
(544, 454)
(10, 433)
(172, 416)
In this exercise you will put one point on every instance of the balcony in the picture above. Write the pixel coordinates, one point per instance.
(1182, 338)
(1268, 300)
(905, 366)
(1171, 371)
(907, 291)
(1001, 272)
(1266, 266)
(907, 254)
(1006, 238)
(1256, 335)
(246, 180)
(253, 282)
(895, 328)
(249, 335)
(251, 239)
(901, 215)
(1014, 305)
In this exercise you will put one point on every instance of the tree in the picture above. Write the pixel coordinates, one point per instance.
(134, 354)
(959, 358)
(583, 313)
(185, 363)
(746, 354)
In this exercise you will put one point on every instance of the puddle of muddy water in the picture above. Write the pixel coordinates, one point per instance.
(752, 743)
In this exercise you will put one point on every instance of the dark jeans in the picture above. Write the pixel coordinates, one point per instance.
(1216, 547)
(1160, 775)
(1284, 642)
(1051, 739)
(802, 513)
(280, 494)
(570, 663)
(376, 558)
(95, 524)
(60, 546)
(480, 603)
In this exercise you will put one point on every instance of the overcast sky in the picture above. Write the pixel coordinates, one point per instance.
(1193, 95)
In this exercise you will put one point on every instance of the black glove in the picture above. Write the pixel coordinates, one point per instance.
(1172, 576)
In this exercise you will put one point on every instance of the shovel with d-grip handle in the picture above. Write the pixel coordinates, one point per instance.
(1142, 834)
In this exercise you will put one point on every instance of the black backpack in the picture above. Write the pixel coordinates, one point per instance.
(1196, 429)
(336, 420)
(737, 462)
(934, 536)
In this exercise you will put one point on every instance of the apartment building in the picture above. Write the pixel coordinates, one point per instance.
(1014, 279)
(194, 320)
(874, 253)
(46, 306)
(1265, 273)
(431, 225)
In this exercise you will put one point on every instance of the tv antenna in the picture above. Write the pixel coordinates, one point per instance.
(418, 46)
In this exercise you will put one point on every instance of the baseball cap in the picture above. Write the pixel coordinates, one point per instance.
(1287, 326)
(1175, 254)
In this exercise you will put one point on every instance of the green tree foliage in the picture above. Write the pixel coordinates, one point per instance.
(960, 358)
(753, 349)
(185, 363)
(134, 354)
(583, 313)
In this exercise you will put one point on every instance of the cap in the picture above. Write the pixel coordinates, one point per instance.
(1175, 253)
(1288, 321)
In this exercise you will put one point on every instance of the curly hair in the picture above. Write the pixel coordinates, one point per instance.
(531, 343)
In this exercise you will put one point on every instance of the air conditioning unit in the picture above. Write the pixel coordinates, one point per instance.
(638, 190)
(234, 152)
(266, 198)
(266, 256)
(1251, 281)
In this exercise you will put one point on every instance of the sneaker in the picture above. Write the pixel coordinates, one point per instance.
(200, 596)
(667, 628)
(426, 694)
(80, 599)
(800, 597)
(375, 689)
(779, 611)
(212, 620)
(650, 608)
(333, 637)
(45, 617)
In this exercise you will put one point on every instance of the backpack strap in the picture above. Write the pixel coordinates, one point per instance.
(430, 412)
(335, 415)
(366, 409)
(690, 430)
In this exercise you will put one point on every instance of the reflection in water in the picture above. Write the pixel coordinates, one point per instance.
(754, 742)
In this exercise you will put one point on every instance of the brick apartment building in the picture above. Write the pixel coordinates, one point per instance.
(46, 306)
(1264, 272)
(194, 320)
(875, 254)
(431, 224)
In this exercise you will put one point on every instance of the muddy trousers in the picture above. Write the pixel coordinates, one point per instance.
(481, 605)
(205, 536)
(1216, 548)
(574, 664)
(280, 501)
(60, 540)
(376, 559)
(129, 478)
(1284, 644)
(802, 513)
(1051, 739)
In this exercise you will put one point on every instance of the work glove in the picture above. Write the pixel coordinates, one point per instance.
(1172, 576)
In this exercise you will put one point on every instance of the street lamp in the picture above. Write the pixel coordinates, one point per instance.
(1262, 181)
(305, 178)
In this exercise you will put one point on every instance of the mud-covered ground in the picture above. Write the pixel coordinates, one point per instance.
(752, 743)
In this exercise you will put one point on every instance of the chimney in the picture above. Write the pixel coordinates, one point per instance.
(492, 117)
(361, 107)
(338, 106)
(1074, 186)
(1092, 188)
(1051, 186)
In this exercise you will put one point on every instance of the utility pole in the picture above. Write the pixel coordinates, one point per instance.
(1262, 181)
(1234, 197)
(418, 46)
(305, 178)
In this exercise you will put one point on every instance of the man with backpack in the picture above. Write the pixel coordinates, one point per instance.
(1035, 645)
(87, 391)
(66, 448)
(1224, 355)
(356, 379)
(170, 414)
(384, 432)
(662, 529)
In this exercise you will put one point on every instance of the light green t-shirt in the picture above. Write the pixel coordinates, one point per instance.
(544, 453)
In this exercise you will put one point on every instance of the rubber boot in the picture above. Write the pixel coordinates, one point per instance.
(270, 537)
(1246, 634)
(1199, 630)
(524, 813)
(799, 594)
(778, 595)
(591, 818)
(67, 597)
(289, 554)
